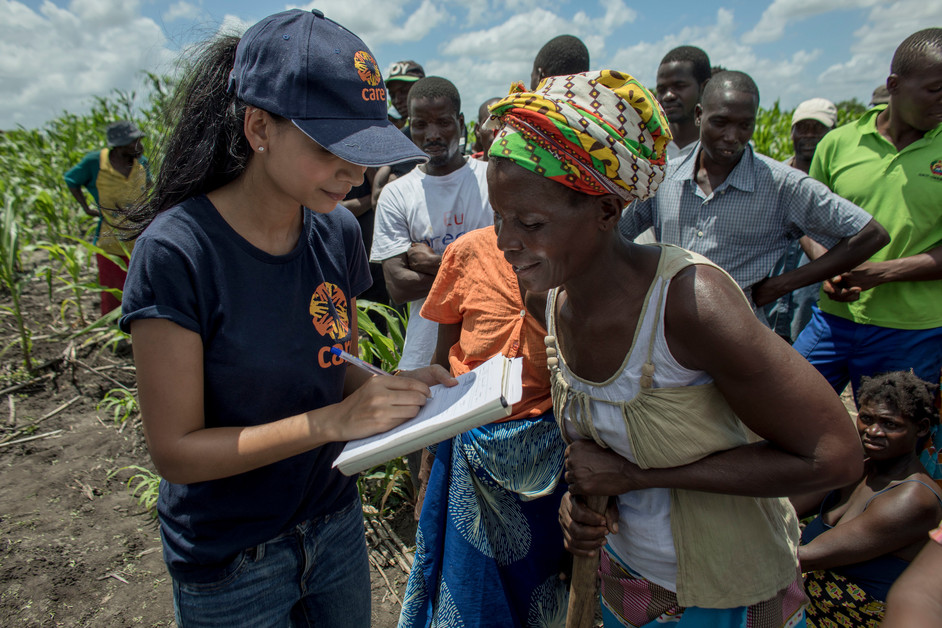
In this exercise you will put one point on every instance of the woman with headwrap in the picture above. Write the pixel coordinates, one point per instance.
(661, 375)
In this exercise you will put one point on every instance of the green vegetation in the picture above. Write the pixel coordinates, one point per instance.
(143, 487)
(121, 403)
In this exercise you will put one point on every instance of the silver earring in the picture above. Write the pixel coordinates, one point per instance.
(261, 149)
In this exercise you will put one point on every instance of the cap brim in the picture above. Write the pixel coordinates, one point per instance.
(405, 79)
(363, 142)
(128, 140)
(822, 118)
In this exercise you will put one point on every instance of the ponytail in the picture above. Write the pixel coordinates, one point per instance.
(206, 147)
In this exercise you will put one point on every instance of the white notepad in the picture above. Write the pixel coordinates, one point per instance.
(480, 397)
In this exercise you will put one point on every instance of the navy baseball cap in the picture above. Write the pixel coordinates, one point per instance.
(302, 66)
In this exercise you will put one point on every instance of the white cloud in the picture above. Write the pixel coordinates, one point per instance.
(777, 78)
(888, 24)
(381, 21)
(58, 59)
(181, 11)
(477, 79)
(419, 23)
(771, 26)
(522, 35)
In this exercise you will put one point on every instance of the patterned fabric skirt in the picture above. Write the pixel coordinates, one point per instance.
(489, 548)
(630, 600)
(836, 602)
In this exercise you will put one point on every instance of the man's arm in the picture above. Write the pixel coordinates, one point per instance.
(403, 282)
(846, 254)
(83, 174)
(80, 197)
(811, 248)
(922, 267)
(383, 176)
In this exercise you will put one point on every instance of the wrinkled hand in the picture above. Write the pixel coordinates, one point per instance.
(593, 470)
(584, 530)
(380, 404)
(766, 291)
(421, 258)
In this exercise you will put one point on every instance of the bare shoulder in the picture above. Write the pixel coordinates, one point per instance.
(706, 312)
(909, 505)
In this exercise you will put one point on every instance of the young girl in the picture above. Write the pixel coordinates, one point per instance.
(242, 282)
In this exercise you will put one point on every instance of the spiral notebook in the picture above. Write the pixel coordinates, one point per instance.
(480, 397)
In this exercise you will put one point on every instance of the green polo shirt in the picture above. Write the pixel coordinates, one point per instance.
(903, 191)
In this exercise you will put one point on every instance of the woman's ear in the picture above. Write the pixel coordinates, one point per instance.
(257, 128)
(923, 428)
(610, 208)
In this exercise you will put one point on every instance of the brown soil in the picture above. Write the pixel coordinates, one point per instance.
(76, 548)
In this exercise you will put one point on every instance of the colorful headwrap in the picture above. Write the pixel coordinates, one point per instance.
(595, 132)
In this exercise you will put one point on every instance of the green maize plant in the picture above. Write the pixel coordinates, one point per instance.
(121, 403)
(374, 344)
(73, 262)
(772, 135)
(144, 486)
(12, 277)
(103, 332)
(388, 484)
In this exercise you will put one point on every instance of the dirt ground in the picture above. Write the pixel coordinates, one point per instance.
(76, 548)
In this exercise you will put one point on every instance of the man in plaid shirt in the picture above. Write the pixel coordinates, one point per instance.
(741, 209)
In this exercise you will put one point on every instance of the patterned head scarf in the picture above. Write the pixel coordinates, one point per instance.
(595, 132)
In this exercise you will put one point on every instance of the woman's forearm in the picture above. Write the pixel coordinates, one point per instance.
(758, 470)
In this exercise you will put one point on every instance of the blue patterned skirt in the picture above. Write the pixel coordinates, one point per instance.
(489, 548)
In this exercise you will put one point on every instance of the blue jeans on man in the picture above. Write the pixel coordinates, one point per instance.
(844, 351)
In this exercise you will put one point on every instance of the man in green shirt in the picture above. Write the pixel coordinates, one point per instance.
(886, 314)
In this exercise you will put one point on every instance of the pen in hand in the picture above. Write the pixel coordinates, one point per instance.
(352, 359)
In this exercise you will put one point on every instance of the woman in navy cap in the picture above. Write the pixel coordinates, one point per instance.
(243, 280)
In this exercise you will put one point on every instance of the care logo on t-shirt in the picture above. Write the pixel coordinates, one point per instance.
(329, 309)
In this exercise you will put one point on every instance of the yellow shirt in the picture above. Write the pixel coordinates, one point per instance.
(115, 191)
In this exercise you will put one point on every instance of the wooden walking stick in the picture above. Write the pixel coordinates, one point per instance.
(584, 586)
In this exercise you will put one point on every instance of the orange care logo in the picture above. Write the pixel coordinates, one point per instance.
(936, 167)
(329, 309)
(367, 68)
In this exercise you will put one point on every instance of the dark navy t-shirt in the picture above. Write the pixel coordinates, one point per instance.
(267, 324)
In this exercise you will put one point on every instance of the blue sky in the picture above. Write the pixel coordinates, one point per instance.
(56, 56)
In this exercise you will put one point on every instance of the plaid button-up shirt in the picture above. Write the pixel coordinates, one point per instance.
(748, 220)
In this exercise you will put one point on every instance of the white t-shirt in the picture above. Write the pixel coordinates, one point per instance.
(435, 211)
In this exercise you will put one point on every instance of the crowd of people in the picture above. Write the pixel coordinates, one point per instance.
(688, 312)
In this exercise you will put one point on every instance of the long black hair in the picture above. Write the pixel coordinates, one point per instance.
(206, 147)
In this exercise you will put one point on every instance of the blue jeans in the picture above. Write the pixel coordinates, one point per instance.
(844, 351)
(316, 574)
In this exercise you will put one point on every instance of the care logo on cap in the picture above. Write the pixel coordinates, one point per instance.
(368, 71)
(366, 67)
